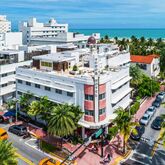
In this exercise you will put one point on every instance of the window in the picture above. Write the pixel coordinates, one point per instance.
(46, 64)
(37, 85)
(58, 91)
(4, 75)
(47, 88)
(89, 113)
(102, 96)
(20, 81)
(89, 97)
(28, 83)
(70, 94)
(37, 98)
(101, 111)
(19, 93)
(4, 85)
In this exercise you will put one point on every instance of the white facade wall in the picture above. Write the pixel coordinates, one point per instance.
(7, 76)
(10, 40)
(116, 82)
(5, 25)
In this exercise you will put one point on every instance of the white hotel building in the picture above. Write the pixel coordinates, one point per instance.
(101, 84)
(5, 25)
(35, 33)
(9, 60)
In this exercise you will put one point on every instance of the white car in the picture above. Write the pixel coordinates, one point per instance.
(151, 110)
(145, 119)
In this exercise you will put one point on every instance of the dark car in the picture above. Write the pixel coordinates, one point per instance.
(19, 130)
(140, 131)
(156, 103)
(7, 115)
(156, 124)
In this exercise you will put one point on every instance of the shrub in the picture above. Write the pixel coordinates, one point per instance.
(75, 68)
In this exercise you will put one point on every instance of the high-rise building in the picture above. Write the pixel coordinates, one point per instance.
(35, 33)
(5, 25)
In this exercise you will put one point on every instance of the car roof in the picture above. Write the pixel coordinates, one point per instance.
(145, 115)
(2, 130)
(20, 126)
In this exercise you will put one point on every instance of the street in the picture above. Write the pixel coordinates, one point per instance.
(143, 150)
(26, 148)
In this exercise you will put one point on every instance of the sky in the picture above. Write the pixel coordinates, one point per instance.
(89, 13)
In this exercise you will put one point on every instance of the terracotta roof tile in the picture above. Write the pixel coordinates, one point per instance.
(143, 59)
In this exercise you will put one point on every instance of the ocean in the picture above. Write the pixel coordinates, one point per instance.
(125, 33)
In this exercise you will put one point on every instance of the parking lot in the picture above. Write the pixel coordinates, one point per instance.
(143, 153)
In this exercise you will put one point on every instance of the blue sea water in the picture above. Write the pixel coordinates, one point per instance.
(125, 33)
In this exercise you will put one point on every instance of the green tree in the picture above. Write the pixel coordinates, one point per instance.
(7, 153)
(162, 61)
(77, 112)
(136, 75)
(142, 39)
(61, 121)
(124, 124)
(24, 101)
(75, 68)
(106, 37)
(11, 104)
(41, 107)
(148, 87)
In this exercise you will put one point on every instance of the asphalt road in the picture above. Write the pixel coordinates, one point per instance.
(143, 150)
(29, 153)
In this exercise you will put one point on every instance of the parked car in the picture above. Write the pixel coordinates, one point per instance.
(156, 103)
(7, 115)
(145, 119)
(151, 110)
(156, 124)
(3, 134)
(49, 161)
(140, 131)
(19, 130)
(161, 95)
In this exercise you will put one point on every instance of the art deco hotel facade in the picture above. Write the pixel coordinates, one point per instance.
(100, 84)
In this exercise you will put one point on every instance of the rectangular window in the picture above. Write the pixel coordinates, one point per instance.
(19, 93)
(4, 85)
(89, 97)
(58, 91)
(46, 64)
(70, 94)
(101, 111)
(89, 113)
(4, 75)
(47, 88)
(37, 85)
(20, 81)
(102, 96)
(28, 83)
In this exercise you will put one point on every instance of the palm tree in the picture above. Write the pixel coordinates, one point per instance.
(25, 100)
(124, 124)
(136, 75)
(34, 108)
(11, 104)
(61, 121)
(7, 153)
(41, 107)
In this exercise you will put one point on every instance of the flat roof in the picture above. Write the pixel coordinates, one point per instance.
(56, 57)
(10, 52)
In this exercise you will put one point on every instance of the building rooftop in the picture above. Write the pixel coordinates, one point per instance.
(143, 59)
(54, 57)
(9, 52)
